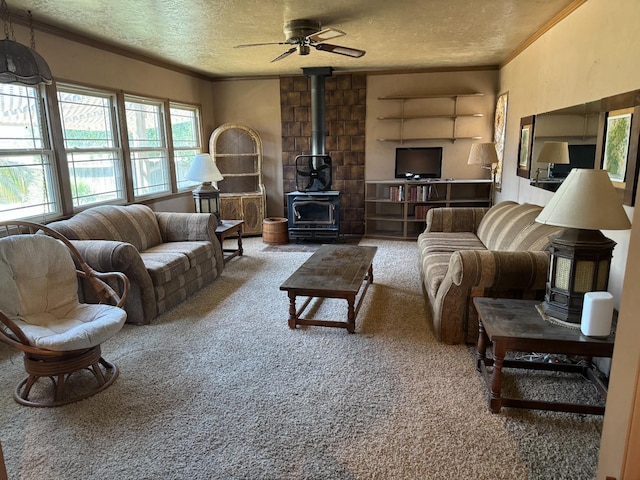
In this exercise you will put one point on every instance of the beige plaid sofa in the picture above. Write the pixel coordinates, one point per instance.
(480, 252)
(167, 256)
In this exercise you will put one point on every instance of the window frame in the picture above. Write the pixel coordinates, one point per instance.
(163, 137)
(52, 204)
(114, 122)
(196, 148)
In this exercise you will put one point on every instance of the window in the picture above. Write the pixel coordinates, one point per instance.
(148, 146)
(185, 130)
(27, 174)
(93, 152)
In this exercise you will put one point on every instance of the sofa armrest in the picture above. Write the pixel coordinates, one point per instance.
(454, 219)
(115, 256)
(497, 270)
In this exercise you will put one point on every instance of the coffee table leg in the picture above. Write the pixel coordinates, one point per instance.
(240, 251)
(370, 273)
(351, 315)
(499, 352)
(293, 317)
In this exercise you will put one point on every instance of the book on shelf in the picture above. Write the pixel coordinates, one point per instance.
(413, 193)
(420, 212)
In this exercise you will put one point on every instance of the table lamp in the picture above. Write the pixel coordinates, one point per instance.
(206, 196)
(552, 153)
(483, 154)
(581, 255)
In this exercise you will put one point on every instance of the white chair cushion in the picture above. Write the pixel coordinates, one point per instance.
(37, 274)
(83, 326)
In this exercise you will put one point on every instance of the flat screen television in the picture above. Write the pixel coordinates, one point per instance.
(580, 156)
(423, 162)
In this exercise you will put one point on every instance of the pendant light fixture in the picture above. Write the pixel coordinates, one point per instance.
(18, 63)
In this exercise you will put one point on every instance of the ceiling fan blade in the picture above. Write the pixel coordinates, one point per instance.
(326, 34)
(260, 44)
(349, 52)
(285, 54)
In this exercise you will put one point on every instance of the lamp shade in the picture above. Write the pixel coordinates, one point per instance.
(203, 169)
(554, 152)
(586, 200)
(21, 64)
(484, 154)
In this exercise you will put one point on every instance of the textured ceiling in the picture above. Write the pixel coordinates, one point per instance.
(402, 34)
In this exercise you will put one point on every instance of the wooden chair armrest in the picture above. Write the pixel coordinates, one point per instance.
(103, 289)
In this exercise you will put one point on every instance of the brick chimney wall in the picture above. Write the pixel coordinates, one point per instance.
(345, 97)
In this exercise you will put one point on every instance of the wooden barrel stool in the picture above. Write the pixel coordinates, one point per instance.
(275, 231)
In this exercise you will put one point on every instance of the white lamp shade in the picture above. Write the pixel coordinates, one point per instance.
(484, 154)
(554, 152)
(203, 169)
(586, 200)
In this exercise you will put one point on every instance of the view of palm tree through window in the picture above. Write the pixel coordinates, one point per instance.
(27, 186)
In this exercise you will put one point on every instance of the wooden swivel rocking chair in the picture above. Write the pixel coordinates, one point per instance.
(41, 314)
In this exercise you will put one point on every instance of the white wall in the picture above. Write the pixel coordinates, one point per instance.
(589, 55)
(380, 156)
(256, 104)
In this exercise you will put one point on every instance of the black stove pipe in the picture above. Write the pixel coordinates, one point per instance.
(318, 108)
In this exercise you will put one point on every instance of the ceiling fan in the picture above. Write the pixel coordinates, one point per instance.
(304, 34)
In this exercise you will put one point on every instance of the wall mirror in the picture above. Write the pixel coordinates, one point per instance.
(577, 125)
(601, 134)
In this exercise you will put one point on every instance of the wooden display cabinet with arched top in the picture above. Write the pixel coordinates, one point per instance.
(237, 151)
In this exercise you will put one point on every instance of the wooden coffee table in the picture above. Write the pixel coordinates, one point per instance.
(516, 325)
(333, 271)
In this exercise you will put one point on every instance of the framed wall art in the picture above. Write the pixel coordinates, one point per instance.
(616, 145)
(499, 131)
(619, 142)
(526, 146)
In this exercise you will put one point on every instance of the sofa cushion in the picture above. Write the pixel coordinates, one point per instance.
(436, 249)
(135, 224)
(448, 242)
(195, 252)
(164, 265)
(505, 222)
(534, 237)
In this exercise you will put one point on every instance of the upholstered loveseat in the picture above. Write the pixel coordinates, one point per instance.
(167, 256)
(469, 252)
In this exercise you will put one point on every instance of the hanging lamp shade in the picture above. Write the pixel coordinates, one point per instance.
(23, 65)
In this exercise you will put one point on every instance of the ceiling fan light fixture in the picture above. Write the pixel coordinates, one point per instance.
(305, 34)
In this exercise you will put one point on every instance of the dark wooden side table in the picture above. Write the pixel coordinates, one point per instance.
(516, 325)
(230, 229)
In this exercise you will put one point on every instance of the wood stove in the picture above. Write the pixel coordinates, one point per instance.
(314, 215)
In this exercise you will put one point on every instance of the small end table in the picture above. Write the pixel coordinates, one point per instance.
(230, 229)
(516, 325)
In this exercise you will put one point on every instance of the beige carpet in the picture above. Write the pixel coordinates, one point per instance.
(221, 388)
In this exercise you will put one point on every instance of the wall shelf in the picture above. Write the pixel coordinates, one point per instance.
(451, 116)
(404, 140)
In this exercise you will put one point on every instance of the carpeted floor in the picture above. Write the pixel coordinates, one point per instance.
(221, 388)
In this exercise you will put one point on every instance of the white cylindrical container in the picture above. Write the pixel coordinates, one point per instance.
(597, 314)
